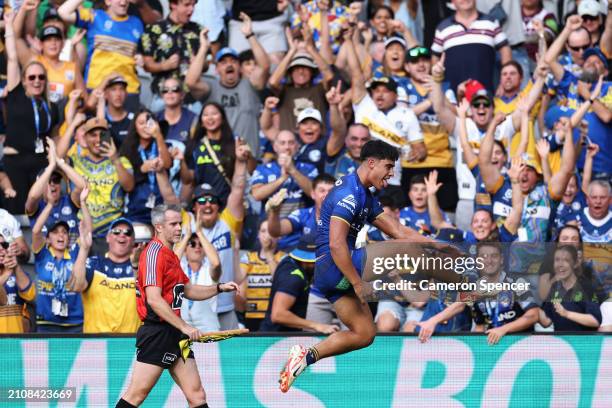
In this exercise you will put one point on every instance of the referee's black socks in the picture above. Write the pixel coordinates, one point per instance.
(124, 404)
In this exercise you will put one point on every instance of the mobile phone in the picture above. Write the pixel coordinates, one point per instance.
(105, 137)
(150, 122)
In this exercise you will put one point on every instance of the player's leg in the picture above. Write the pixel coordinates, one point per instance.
(186, 376)
(144, 378)
(361, 331)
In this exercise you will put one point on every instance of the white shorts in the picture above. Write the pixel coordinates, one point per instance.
(401, 313)
(606, 313)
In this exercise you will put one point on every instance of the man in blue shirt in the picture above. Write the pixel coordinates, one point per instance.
(339, 265)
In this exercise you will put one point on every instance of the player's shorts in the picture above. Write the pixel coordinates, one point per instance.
(158, 344)
(330, 281)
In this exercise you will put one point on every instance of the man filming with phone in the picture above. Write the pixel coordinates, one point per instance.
(103, 169)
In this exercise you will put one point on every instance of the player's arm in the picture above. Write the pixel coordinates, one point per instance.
(394, 228)
(282, 314)
(429, 326)
(203, 292)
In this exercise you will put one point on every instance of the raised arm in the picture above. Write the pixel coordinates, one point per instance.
(78, 282)
(23, 50)
(13, 74)
(358, 86)
(38, 239)
(603, 113)
(126, 179)
(235, 200)
(445, 115)
(559, 180)
(573, 23)
(323, 66)
(543, 149)
(40, 186)
(535, 93)
(193, 79)
(605, 42)
(469, 157)
(587, 173)
(435, 215)
(335, 142)
(67, 11)
(513, 220)
(490, 173)
(281, 69)
(214, 262)
(261, 72)
(325, 44)
(267, 123)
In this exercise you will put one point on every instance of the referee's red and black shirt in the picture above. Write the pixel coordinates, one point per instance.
(159, 266)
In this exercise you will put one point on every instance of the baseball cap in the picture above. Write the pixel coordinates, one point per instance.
(119, 79)
(54, 223)
(204, 189)
(595, 51)
(530, 161)
(224, 52)
(51, 14)
(50, 31)
(309, 113)
(417, 52)
(384, 80)
(395, 39)
(554, 114)
(121, 220)
(95, 123)
(451, 235)
(305, 250)
(302, 59)
(474, 89)
(589, 8)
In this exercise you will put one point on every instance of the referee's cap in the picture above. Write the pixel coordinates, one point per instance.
(305, 250)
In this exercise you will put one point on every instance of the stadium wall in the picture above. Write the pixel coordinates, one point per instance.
(396, 371)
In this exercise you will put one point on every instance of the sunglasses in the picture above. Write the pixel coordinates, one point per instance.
(193, 244)
(579, 48)
(40, 77)
(481, 104)
(5, 245)
(168, 90)
(204, 200)
(125, 231)
(55, 180)
(586, 17)
(417, 52)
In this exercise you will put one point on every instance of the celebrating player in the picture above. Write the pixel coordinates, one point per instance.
(339, 266)
(162, 284)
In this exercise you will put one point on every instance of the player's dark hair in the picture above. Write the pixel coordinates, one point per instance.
(417, 179)
(323, 178)
(377, 149)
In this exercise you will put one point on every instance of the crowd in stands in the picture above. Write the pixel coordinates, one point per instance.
(246, 113)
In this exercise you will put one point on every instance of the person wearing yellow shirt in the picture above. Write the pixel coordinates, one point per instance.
(62, 76)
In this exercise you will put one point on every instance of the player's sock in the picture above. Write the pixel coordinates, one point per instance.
(312, 356)
(124, 404)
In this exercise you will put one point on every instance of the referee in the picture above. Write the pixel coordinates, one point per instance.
(162, 284)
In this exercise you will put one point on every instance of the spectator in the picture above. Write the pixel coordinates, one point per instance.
(284, 173)
(210, 155)
(575, 39)
(301, 221)
(10, 229)
(147, 152)
(175, 120)
(59, 308)
(595, 221)
(112, 41)
(32, 118)
(439, 156)
(221, 228)
(268, 19)
(299, 69)
(346, 160)
(416, 216)
(289, 293)
(109, 175)
(382, 27)
(393, 64)
(508, 312)
(470, 40)
(109, 99)
(532, 10)
(391, 206)
(590, 11)
(63, 76)
(48, 189)
(16, 288)
(237, 94)
(259, 266)
(386, 120)
(200, 261)
(168, 46)
(313, 13)
(571, 304)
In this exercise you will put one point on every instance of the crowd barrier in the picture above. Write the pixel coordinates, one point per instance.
(395, 371)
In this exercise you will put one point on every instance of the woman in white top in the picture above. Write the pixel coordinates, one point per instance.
(201, 264)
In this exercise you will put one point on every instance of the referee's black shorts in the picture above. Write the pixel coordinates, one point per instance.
(158, 344)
